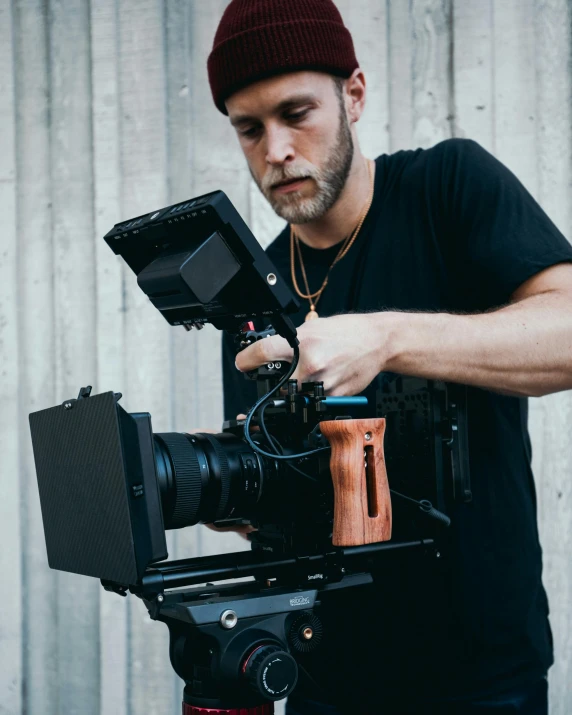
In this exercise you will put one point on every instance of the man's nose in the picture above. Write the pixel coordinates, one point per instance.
(279, 149)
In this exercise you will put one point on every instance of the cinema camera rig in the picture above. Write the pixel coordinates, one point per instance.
(306, 469)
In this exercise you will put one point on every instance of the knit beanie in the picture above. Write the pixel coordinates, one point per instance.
(257, 39)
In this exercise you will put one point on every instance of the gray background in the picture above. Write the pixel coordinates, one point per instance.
(105, 113)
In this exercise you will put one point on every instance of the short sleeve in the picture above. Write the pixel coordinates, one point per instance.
(498, 233)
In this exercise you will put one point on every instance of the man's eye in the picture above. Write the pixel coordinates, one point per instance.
(296, 116)
(250, 132)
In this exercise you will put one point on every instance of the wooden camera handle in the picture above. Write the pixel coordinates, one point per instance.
(362, 505)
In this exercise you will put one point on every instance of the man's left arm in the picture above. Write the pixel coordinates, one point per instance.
(523, 348)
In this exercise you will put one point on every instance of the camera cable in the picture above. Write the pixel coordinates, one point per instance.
(275, 444)
(261, 401)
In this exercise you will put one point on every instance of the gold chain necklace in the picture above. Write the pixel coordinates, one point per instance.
(347, 243)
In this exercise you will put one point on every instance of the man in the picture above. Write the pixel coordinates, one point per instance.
(435, 263)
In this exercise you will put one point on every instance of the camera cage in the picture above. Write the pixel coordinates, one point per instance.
(198, 263)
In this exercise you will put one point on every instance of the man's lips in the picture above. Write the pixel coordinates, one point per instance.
(285, 187)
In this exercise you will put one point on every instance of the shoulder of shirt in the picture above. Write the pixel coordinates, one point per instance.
(405, 168)
(447, 150)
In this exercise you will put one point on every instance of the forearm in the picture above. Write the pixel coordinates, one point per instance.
(523, 349)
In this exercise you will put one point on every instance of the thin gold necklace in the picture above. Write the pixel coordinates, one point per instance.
(347, 243)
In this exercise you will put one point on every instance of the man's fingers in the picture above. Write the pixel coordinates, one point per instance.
(263, 351)
(242, 530)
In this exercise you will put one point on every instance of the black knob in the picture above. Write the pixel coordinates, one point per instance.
(271, 672)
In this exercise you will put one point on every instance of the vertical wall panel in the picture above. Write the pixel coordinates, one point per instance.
(515, 88)
(109, 309)
(36, 342)
(74, 300)
(147, 340)
(421, 72)
(400, 84)
(10, 526)
(553, 462)
(432, 90)
(473, 71)
(367, 21)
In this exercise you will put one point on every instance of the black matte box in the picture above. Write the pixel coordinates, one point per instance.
(98, 489)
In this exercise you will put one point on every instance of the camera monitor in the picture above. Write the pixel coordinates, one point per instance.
(198, 262)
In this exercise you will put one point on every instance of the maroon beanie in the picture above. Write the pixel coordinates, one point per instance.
(261, 38)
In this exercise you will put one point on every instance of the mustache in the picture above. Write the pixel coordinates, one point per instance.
(278, 176)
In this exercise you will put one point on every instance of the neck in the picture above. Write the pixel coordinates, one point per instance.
(343, 217)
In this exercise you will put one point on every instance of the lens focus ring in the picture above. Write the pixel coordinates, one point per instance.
(224, 471)
(187, 480)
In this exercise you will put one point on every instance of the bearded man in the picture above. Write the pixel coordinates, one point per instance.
(434, 263)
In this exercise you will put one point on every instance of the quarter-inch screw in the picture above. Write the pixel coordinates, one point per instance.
(160, 598)
(368, 436)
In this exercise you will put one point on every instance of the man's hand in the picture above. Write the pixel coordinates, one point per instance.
(345, 352)
(243, 530)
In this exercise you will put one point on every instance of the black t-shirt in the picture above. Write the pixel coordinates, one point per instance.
(452, 230)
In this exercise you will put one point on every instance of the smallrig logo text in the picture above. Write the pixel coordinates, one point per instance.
(315, 576)
(300, 601)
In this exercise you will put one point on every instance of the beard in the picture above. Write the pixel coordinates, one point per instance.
(330, 180)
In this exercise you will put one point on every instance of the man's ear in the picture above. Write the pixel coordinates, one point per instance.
(355, 93)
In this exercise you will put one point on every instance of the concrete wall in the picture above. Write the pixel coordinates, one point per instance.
(105, 113)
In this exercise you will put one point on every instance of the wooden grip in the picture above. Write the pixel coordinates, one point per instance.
(362, 507)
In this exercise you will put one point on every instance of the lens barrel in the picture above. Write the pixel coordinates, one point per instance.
(206, 477)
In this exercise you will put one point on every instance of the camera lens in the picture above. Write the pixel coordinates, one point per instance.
(206, 477)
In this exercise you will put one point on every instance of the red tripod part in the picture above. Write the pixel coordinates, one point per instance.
(267, 709)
